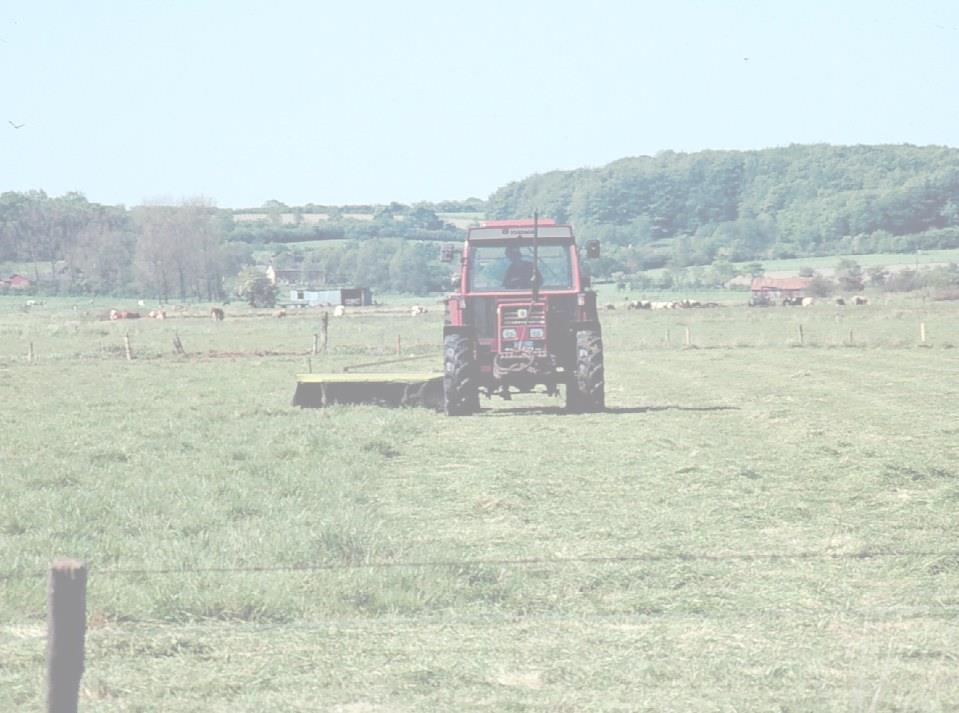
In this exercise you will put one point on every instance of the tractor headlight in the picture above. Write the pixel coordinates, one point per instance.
(536, 333)
(509, 334)
(522, 313)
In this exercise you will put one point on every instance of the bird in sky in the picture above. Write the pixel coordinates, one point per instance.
(16, 126)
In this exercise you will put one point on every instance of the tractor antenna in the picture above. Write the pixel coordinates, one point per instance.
(535, 277)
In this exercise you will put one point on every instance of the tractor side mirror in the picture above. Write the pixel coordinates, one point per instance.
(592, 249)
(446, 252)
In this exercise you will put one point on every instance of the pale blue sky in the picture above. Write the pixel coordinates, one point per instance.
(359, 102)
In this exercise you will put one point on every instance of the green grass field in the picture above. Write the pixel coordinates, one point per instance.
(751, 526)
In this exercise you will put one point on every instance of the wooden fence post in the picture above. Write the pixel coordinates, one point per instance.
(922, 332)
(66, 630)
(30, 354)
(177, 344)
(802, 338)
(127, 348)
(688, 340)
(316, 343)
(666, 338)
(325, 330)
(399, 348)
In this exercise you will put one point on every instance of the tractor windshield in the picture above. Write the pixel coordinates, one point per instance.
(495, 268)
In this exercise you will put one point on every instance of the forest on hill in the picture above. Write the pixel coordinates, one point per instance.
(695, 214)
(747, 205)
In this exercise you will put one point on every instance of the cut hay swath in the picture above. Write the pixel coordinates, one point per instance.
(413, 389)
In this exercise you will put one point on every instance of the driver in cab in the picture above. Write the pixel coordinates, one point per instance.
(519, 272)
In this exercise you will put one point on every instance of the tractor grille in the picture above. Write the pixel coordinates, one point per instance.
(532, 315)
(522, 328)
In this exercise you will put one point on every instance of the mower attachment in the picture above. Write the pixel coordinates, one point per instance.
(319, 390)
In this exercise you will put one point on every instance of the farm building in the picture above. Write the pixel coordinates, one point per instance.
(774, 289)
(294, 277)
(311, 297)
(16, 282)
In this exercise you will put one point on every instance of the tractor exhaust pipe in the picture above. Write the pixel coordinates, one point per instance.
(535, 277)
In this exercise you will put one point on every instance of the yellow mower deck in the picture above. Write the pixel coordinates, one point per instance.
(399, 389)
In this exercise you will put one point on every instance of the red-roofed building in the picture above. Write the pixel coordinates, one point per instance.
(18, 282)
(774, 289)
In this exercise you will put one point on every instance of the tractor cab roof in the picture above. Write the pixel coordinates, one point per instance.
(520, 229)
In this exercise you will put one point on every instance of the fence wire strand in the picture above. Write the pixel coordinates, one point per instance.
(506, 562)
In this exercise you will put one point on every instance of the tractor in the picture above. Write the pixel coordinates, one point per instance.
(521, 316)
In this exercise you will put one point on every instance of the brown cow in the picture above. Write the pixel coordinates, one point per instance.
(217, 314)
(116, 314)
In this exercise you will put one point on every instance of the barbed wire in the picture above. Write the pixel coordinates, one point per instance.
(506, 562)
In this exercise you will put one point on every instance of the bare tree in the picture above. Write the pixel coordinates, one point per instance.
(179, 249)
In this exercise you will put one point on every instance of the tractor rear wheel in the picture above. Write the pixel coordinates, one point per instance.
(460, 388)
(585, 392)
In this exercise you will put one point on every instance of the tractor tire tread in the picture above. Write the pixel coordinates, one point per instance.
(460, 388)
(586, 392)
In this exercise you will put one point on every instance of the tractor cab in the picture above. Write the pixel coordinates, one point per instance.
(519, 317)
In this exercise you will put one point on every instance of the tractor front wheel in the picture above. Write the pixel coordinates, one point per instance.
(585, 392)
(460, 392)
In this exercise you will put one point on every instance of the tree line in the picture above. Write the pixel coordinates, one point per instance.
(193, 250)
(390, 264)
(693, 209)
(69, 244)
(693, 214)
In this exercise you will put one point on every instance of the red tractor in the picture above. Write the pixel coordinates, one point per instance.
(522, 316)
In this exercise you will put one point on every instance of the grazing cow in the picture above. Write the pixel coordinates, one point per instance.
(279, 313)
(860, 300)
(610, 305)
(116, 314)
(792, 301)
(339, 311)
(840, 302)
(217, 314)
(640, 304)
(156, 314)
(417, 310)
(808, 301)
